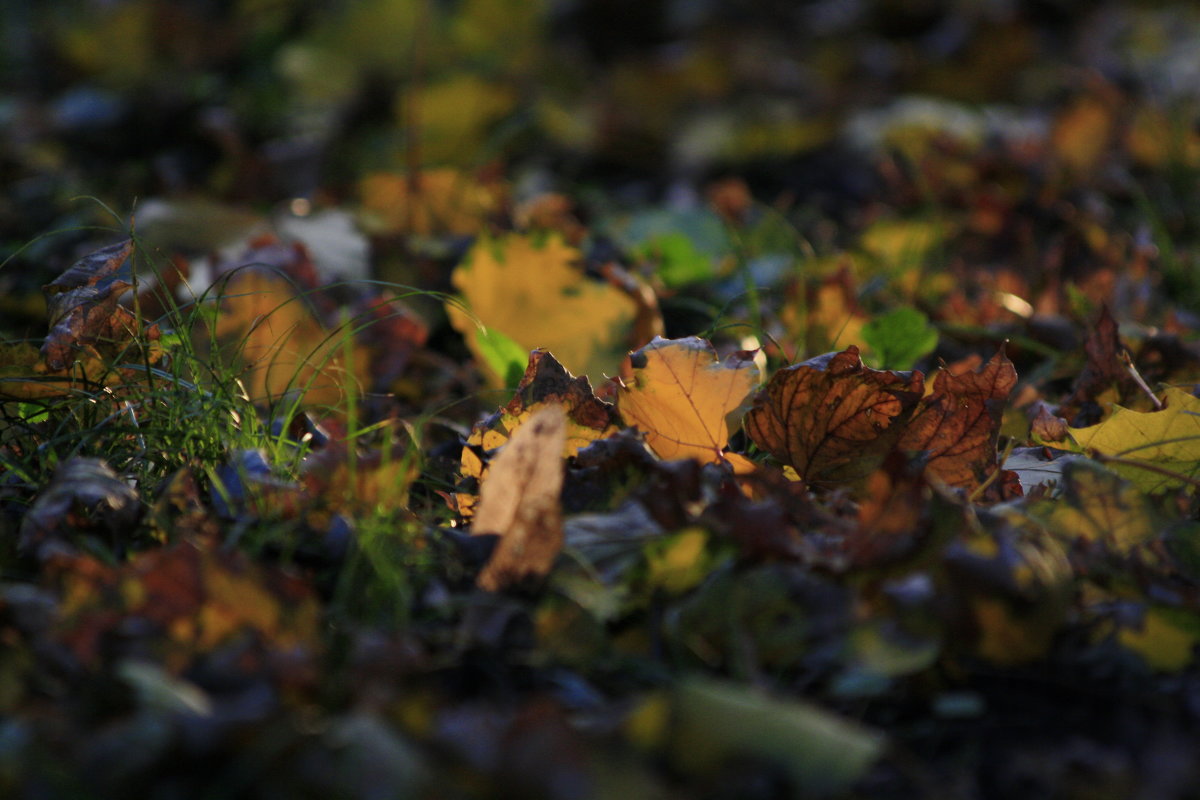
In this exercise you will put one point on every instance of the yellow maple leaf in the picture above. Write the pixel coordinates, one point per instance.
(1156, 450)
(685, 400)
(534, 293)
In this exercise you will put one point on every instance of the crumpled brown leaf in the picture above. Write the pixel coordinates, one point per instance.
(83, 311)
(85, 495)
(958, 424)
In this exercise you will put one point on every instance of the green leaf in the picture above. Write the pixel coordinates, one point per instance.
(685, 246)
(899, 338)
(716, 721)
(506, 358)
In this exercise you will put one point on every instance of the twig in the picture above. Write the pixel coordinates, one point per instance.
(1137, 378)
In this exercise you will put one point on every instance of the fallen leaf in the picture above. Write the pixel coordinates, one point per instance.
(1156, 450)
(1103, 376)
(958, 424)
(82, 306)
(685, 400)
(519, 500)
(545, 383)
(536, 294)
(832, 419)
(85, 495)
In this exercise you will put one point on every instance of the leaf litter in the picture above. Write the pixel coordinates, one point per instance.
(492, 538)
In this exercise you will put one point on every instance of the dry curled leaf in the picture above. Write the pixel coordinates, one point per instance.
(1104, 376)
(831, 418)
(519, 500)
(685, 400)
(83, 310)
(958, 424)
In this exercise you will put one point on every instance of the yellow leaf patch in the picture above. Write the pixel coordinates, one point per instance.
(536, 294)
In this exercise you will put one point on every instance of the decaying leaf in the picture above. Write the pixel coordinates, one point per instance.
(85, 495)
(832, 419)
(957, 425)
(535, 293)
(1156, 450)
(519, 500)
(544, 383)
(685, 400)
(83, 310)
(1104, 378)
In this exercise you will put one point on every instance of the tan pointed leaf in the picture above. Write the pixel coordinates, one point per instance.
(958, 423)
(685, 400)
(519, 500)
(831, 418)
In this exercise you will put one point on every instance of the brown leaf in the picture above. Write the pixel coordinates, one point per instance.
(831, 418)
(1103, 373)
(958, 424)
(1044, 425)
(519, 500)
(82, 307)
(85, 495)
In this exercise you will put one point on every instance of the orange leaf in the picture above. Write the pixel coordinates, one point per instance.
(831, 418)
(958, 424)
(683, 398)
(519, 500)
(268, 330)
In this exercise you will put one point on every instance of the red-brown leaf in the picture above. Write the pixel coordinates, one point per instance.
(831, 418)
(958, 424)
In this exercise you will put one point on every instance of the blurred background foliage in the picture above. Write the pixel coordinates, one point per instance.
(257, 103)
